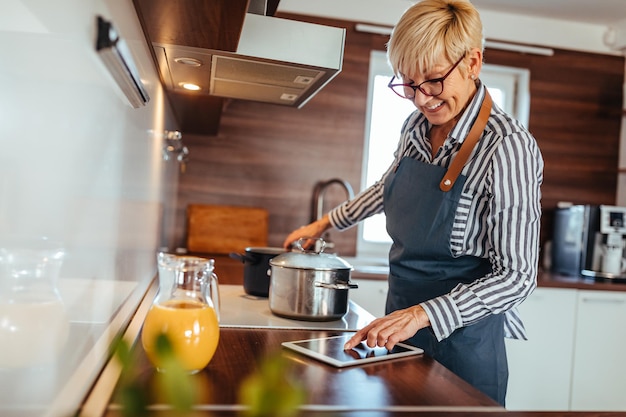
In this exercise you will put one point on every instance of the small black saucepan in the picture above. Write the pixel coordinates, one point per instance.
(256, 270)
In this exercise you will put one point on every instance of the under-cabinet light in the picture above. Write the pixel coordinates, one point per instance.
(524, 49)
(118, 59)
(192, 62)
(505, 46)
(190, 86)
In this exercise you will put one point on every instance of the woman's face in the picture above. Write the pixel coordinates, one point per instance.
(458, 88)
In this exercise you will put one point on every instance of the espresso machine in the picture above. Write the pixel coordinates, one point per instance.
(589, 240)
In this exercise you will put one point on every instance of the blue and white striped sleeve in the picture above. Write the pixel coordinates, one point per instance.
(512, 225)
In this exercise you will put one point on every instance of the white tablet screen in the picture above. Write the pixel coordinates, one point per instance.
(330, 350)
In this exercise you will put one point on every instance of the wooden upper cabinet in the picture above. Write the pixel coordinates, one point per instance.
(210, 24)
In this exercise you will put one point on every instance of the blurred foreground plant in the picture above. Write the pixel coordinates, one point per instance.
(173, 385)
(272, 390)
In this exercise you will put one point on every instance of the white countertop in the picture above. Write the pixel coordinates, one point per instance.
(55, 385)
(241, 310)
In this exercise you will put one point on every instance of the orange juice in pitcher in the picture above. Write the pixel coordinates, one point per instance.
(186, 310)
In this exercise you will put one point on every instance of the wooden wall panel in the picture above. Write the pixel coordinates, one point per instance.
(575, 115)
(271, 157)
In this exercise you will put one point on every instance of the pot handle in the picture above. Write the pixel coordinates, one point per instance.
(241, 257)
(337, 286)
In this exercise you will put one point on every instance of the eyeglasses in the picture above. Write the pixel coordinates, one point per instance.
(429, 88)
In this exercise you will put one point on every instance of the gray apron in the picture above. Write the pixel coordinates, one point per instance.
(419, 220)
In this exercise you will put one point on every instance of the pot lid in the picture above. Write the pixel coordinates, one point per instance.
(304, 259)
(310, 260)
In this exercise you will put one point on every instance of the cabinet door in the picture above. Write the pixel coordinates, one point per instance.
(540, 367)
(600, 354)
(371, 295)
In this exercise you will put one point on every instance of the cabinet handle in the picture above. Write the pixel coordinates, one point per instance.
(603, 300)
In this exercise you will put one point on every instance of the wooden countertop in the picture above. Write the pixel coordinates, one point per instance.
(417, 386)
(414, 383)
(550, 280)
(544, 279)
(411, 413)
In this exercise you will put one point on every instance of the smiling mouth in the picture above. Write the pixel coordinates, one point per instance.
(433, 107)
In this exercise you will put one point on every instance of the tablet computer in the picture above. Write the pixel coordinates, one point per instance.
(330, 350)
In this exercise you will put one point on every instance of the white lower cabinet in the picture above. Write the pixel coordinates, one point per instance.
(575, 355)
(540, 367)
(371, 295)
(575, 358)
(599, 372)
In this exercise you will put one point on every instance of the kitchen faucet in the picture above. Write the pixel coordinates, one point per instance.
(317, 201)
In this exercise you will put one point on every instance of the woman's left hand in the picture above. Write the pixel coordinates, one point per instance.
(392, 329)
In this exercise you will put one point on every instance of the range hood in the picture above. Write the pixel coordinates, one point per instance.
(277, 61)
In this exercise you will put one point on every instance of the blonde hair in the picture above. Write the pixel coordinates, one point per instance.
(432, 29)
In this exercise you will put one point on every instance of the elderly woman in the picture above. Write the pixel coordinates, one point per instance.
(462, 203)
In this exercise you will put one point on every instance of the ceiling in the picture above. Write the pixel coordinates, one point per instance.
(598, 12)
(597, 26)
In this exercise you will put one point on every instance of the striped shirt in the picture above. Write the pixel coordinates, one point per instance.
(497, 218)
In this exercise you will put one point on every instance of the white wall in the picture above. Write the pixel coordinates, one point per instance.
(78, 164)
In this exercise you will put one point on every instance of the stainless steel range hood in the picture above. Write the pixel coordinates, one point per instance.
(277, 61)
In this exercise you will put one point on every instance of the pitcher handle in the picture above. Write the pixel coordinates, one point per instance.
(214, 294)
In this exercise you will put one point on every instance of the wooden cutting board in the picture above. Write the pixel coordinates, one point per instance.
(225, 229)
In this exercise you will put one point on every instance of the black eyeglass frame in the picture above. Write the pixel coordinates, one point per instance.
(439, 80)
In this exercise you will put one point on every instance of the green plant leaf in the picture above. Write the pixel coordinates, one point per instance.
(174, 384)
(271, 390)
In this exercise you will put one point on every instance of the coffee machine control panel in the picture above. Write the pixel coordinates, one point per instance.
(613, 220)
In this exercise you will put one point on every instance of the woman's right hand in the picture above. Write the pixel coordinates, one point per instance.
(312, 230)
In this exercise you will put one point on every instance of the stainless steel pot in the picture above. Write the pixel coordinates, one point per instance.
(311, 286)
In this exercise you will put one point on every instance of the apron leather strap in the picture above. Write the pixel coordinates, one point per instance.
(462, 156)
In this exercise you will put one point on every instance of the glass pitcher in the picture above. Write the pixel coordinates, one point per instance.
(186, 310)
(34, 325)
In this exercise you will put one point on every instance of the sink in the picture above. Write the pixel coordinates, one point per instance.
(368, 267)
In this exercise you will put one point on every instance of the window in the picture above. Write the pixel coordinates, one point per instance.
(385, 114)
